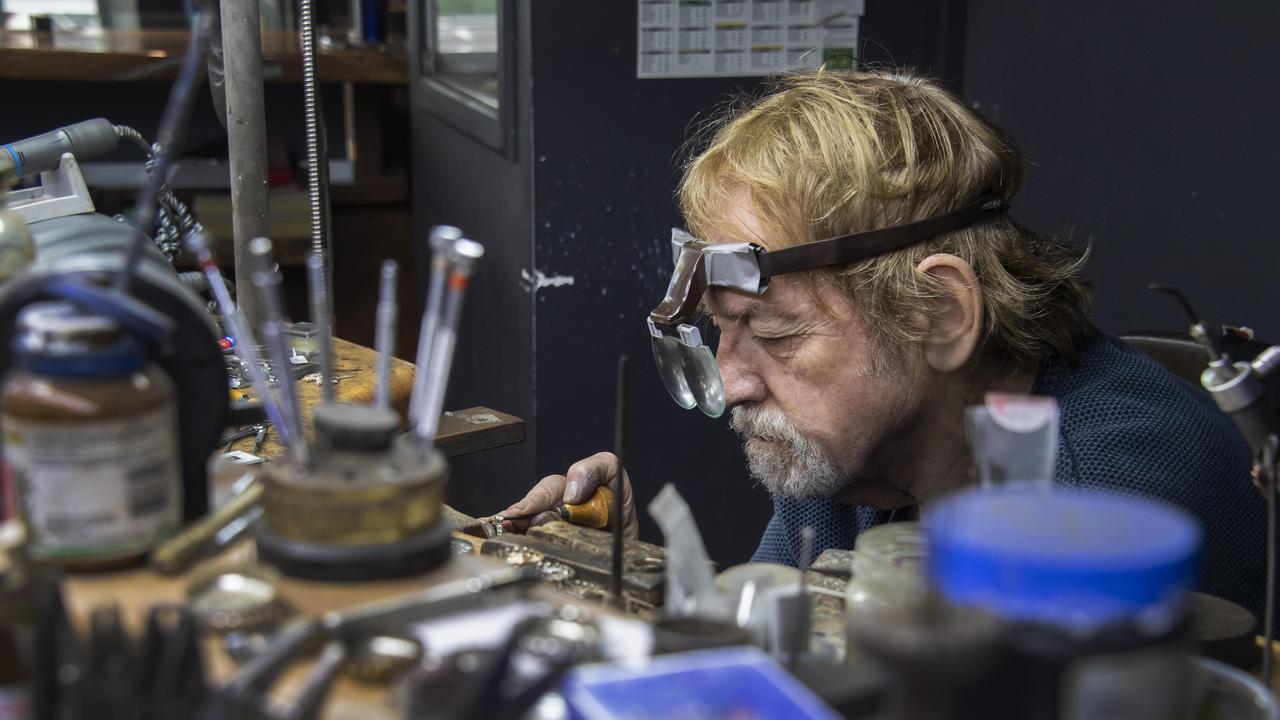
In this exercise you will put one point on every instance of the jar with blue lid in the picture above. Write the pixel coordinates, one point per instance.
(90, 438)
(1094, 590)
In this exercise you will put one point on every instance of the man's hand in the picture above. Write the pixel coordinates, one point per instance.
(575, 486)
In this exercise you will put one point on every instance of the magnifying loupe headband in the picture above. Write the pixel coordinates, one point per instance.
(687, 365)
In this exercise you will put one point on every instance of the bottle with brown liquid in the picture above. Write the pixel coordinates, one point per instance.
(91, 437)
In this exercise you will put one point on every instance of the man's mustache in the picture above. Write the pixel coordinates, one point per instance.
(761, 424)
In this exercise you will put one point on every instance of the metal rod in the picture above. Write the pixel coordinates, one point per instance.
(246, 346)
(173, 126)
(259, 673)
(800, 627)
(462, 258)
(386, 615)
(317, 159)
(619, 446)
(180, 551)
(385, 337)
(320, 318)
(1267, 473)
(316, 688)
(442, 236)
(246, 143)
(235, 530)
(267, 281)
(355, 34)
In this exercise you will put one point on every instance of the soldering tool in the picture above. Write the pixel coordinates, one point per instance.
(43, 152)
(1245, 391)
(596, 513)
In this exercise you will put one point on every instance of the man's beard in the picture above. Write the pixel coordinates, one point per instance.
(790, 464)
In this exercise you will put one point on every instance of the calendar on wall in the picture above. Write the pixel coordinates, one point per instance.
(707, 38)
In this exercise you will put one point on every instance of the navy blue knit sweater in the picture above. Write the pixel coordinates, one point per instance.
(1127, 425)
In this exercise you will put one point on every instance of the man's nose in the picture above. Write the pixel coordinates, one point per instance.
(742, 384)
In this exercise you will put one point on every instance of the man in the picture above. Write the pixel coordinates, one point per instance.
(848, 383)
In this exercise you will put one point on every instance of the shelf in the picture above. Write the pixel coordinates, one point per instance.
(142, 55)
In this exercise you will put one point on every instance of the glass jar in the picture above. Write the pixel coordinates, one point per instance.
(91, 437)
(888, 567)
(888, 571)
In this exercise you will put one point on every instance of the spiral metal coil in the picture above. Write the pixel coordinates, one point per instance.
(175, 218)
(318, 175)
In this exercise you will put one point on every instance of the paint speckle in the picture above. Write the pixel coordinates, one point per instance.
(536, 280)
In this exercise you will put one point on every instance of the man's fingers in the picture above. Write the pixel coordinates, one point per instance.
(576, 486)
(602, 468)
(543, 518)
(520, 527)
(588, 474)
(544, 496)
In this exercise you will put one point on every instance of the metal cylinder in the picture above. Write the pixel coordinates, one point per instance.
(356, 499)
(247, 142)
(369, 507)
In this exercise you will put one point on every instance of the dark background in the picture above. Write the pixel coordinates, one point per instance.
(1145, 127)
(1149, 129)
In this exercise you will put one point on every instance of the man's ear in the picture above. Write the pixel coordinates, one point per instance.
(954, 323)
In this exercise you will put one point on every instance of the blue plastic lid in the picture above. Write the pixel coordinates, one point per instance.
(52, 338)
(1073, 559)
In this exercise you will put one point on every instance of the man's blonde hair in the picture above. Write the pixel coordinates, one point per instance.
(828, 153)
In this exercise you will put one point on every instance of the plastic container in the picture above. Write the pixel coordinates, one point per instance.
(720, 683)
(1014, 439)
(91, 436)
(1094, 590)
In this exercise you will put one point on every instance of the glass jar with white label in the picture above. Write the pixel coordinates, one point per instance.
(90, 438)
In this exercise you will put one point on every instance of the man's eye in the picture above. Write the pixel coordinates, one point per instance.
(772, 339)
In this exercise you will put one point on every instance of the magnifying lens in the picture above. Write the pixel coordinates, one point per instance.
(686, 363)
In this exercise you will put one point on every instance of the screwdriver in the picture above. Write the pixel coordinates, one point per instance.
(595, 513)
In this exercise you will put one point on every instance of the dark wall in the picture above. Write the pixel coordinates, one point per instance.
(607, 167)
(459, 181)
(1149, 128)
(608, 155)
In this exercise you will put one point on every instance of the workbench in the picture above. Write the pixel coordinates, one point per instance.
(136, 590)
(461, 432)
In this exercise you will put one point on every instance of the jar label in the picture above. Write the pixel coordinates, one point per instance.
(96, 489)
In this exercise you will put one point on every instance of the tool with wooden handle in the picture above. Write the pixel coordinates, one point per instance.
(595, 513)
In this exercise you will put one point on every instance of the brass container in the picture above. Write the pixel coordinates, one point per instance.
(370, 496)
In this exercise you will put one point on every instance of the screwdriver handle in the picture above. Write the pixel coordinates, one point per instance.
(594, 513)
